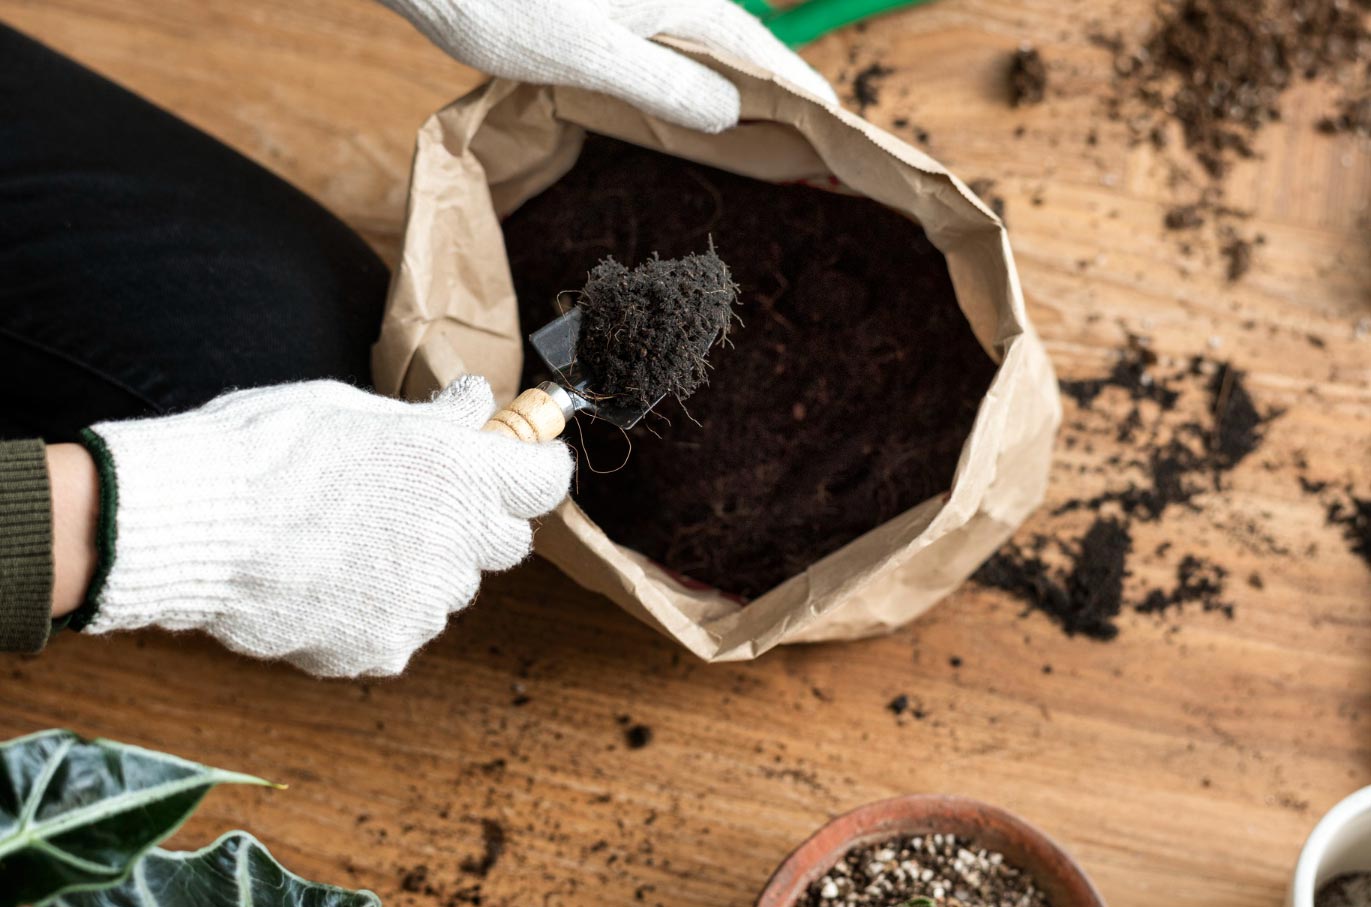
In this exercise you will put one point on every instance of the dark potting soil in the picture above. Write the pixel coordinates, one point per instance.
(1353, 515)
(1350, 889)
(492, 846)
(1217, 72)
(949, 870)
(1353, 116)
(866, 85)
(1198, 581)
(645, 331)
(1080, 584)
(1221, 67)
(1027, 77)
(1085, 596)
(790, 451)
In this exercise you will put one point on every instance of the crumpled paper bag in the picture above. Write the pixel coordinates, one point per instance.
(452, 310)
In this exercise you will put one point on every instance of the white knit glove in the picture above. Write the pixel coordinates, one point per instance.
(602, 45)
(315, 522)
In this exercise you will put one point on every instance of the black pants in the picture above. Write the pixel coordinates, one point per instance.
(145, 267)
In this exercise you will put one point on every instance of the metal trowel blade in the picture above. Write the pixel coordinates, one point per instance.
(556, 346)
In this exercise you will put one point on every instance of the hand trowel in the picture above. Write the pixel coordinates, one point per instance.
(635, 337)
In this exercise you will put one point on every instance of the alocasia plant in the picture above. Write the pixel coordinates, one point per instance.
(79, 821)
(235, 871)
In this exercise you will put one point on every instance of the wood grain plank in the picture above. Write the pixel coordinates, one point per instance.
(1185, 760)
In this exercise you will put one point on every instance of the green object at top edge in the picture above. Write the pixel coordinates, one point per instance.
(799, 25)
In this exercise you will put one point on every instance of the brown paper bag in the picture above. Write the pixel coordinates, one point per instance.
(452, 310)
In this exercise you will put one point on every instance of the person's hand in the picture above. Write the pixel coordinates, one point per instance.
(314, 522)
(604, 46)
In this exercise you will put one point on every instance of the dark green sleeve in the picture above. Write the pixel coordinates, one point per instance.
(25, 547)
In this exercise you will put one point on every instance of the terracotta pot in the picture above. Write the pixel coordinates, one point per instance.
(1064, 883)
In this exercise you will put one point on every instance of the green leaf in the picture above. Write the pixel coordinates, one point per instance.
(76, 814)
(235, 871)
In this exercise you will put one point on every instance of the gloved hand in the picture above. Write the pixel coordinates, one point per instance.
(315, 522)
(603, 45)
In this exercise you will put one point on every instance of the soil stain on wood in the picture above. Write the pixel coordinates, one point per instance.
(791, 450)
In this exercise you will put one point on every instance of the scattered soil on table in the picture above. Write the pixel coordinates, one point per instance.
(1353, 116)
(415, 881)
(789, 452)
(645, 332)
(1198, 581)
(1220, 68)
(1081, 582)
(866, 85)
(492, 843)
(1184, 217)
(1350, 889)
(919, 134)
(1237, 251)
(1027, 77)
(950, 870)
(1344, 508)
(1217, 71)
(1353, 516)
(1083, 597)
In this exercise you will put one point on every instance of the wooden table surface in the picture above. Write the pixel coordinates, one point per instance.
(1182, 763)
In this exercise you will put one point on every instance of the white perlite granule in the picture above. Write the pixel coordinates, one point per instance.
(950, 871)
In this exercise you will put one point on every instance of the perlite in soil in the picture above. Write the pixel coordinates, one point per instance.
(950, 871)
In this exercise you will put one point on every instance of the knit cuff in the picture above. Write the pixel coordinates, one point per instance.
(25, 547)
(105, 528)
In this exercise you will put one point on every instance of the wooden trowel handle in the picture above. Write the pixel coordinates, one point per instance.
(538, 414)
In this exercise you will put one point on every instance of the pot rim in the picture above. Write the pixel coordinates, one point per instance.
(1316, 846)
(1053, 869)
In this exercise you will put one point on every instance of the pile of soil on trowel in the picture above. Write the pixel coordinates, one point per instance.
(646, 331)
(841, 399)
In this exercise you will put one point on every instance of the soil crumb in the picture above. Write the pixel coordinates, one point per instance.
(1238, 253)
(1084, 597)
(1027, 77)
(866, 85)
(415, 881)
(637, 736)
(1353, 515)
(492, 846)
(1238, 427)
(1353, 117)
(845, 304)
(1198, 581)
(645, 332)
(949, 870)
(1184, 217)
